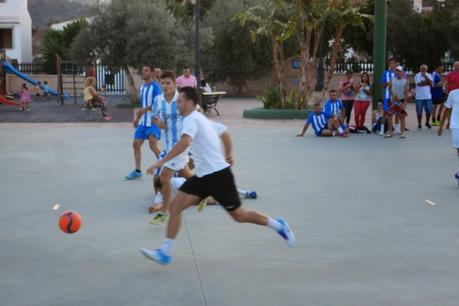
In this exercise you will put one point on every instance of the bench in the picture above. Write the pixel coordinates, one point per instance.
(210, 100)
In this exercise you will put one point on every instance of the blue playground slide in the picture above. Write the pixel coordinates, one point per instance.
(10, 69)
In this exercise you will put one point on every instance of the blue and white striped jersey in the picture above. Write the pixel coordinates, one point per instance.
(318, 122)
(387, 77)
(333, 108)
(168, 113)
(147, 94)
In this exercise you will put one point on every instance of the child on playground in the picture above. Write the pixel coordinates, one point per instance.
(45, 88)
(378, 119)
(25, 98)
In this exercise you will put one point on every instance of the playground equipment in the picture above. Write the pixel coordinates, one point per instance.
(7, 67)
(4, 100)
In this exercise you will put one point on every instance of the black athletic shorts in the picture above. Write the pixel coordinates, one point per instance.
(437, 101)
(220, 185)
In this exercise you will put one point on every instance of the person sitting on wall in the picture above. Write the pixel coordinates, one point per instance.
(93, 99)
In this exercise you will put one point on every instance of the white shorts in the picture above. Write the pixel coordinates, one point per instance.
(455, 135)
(178, 163)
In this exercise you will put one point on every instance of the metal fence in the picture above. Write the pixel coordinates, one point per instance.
(112, 79)
(343, 65)
(32, 68)
(109, 79)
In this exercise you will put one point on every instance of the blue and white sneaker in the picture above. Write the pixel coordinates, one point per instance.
(457, 178)
(252, 195)
(133, 175)
(286, 233)
(157, 256)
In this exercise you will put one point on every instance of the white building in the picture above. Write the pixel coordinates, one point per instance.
(16, 30)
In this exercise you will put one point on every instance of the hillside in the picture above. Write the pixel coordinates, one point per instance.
(44, 12)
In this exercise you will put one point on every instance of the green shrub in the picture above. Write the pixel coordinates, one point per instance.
(270, 98)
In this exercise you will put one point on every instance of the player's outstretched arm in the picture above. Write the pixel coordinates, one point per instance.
(305, 128)
(179, 148)
(228, 147)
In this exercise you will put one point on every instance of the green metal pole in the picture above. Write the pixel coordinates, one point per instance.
(379, 48)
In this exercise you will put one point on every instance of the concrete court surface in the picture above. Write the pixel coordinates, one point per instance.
(365, 234)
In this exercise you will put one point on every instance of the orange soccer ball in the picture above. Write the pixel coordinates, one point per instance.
(70, 222)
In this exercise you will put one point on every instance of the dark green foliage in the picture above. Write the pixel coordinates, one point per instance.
(60, 43)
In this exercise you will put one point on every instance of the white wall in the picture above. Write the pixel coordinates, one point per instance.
(14, 14)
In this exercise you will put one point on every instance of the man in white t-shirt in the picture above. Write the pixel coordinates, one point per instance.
(213, 178)
(423, 82)
(452, 108)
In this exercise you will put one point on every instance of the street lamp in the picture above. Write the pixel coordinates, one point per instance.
(197, 52)
(379, 48)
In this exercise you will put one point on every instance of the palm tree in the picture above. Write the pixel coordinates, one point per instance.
(311, 17)
(269, 21)
(343, 14)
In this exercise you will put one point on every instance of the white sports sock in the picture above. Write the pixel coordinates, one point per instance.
(274, 224)
(340, 130)
(381, 131)
(397, 128)
(167, 246)
(242, 192)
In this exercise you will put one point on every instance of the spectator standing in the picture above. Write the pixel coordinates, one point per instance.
(452, 83)
(387, 77)
(438, 95)
(423, 82)
(187, 79)
(157, 75)
(362, 100)
(452, 79)
(399, 88)
(347, 91)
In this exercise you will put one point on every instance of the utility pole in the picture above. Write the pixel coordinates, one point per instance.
(379, 48)
(197, 51)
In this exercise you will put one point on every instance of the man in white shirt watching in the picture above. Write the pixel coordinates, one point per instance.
(423, 82)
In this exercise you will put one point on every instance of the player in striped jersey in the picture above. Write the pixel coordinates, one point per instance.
(386, 80)
(334, 110)
(145, 129)
(388, 76)
(320, 123)
(167, 117)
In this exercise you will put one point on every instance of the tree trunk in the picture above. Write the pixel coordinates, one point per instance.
(133, 89)
(312, 67)
(304, 40)
(279, 63)
(334, 57)
(308, 71)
